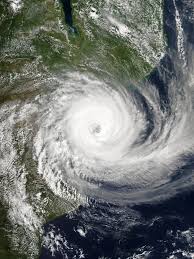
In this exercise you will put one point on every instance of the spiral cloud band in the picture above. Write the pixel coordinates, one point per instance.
(98, 139)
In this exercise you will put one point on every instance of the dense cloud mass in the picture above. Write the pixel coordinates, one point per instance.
(106, 141)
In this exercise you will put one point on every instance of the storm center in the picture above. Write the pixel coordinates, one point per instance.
(95, 129)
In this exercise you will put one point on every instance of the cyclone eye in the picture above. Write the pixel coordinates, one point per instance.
(95, 129)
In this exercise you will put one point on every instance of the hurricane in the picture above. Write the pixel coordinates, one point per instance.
(102, 140)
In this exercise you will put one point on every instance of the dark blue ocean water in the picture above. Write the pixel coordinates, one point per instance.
(154, 230)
